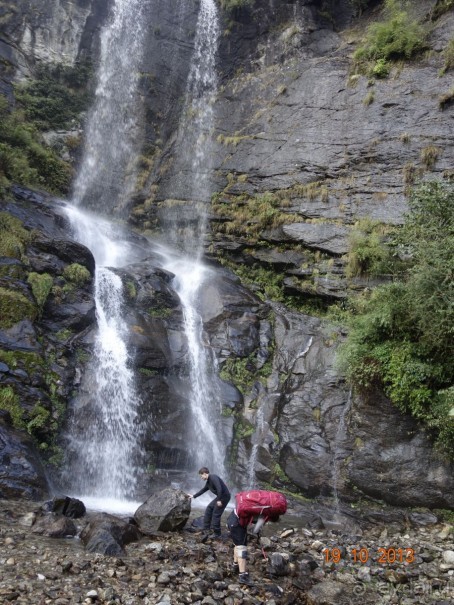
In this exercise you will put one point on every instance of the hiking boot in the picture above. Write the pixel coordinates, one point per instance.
(244, 578)
(205, 536)
(235, 568)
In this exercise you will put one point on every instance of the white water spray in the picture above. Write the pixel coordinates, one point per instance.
(107, 173)
(103, 454)
(206, 439)
(103, 451)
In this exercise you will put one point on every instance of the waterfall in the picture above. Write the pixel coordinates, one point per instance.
(103, 440)
(194, 144)
(103, 437)
(205, 436)
(338, 456)
(103, 455)
(195, 135)
(106, 176)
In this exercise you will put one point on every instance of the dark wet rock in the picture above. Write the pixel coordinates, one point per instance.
(21, 472)
(69, 507)
(167, 510)
(108, 534)
(54, 525)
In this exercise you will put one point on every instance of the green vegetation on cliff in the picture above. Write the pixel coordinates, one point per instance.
(24, 159)
(53, 99)
(56, 96)
(402, 334)
(397, 36)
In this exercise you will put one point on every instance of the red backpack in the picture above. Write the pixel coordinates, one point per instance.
(259, 502)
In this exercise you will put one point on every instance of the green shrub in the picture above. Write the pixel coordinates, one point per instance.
(13, 236)
(56, 96)
(39, 418)
(76, 274)
(24, 159)
(368, 253)
(402, 335)
(398, 37)
(9, 401)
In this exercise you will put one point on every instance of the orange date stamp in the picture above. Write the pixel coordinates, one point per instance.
(384, 556)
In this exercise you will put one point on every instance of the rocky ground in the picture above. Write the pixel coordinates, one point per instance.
(381, 563)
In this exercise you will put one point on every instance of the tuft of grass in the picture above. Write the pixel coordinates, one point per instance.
(429, 156)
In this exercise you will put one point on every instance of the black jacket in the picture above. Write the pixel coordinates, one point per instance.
(216, 485)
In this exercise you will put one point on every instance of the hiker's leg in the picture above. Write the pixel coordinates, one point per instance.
(209, 514)
(217, 514)
(240, 556)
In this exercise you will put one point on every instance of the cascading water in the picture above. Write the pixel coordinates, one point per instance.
(206, 441)
(106, 176)
(105, 458)
(103, 453)
(195, 140)
(337, 455)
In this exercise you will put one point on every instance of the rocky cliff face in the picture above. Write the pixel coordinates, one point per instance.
(322, 148)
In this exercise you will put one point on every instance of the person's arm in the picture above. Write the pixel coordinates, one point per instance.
(202, 491)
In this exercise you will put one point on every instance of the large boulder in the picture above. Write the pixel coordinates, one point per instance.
(167, 510)
(108, 534)
(21, 472)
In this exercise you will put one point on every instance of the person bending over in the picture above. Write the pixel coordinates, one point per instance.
(214, 510)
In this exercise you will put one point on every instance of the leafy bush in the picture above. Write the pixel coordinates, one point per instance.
(14, 307)
(9, 401)
(232, 5)
(368, 254)
(398, 37)
(23, 157)
(13, 236)
(402, 335)
(56, 96)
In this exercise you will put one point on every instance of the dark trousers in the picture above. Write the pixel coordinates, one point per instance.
(213, 514)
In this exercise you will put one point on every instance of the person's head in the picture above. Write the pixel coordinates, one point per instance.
(204, 473)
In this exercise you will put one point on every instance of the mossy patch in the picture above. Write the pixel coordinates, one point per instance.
(9, 401)
(41, 284)
(15, 307)
(13, 236)
(77, 274)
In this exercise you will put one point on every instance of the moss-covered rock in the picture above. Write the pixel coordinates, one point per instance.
(15, 307)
